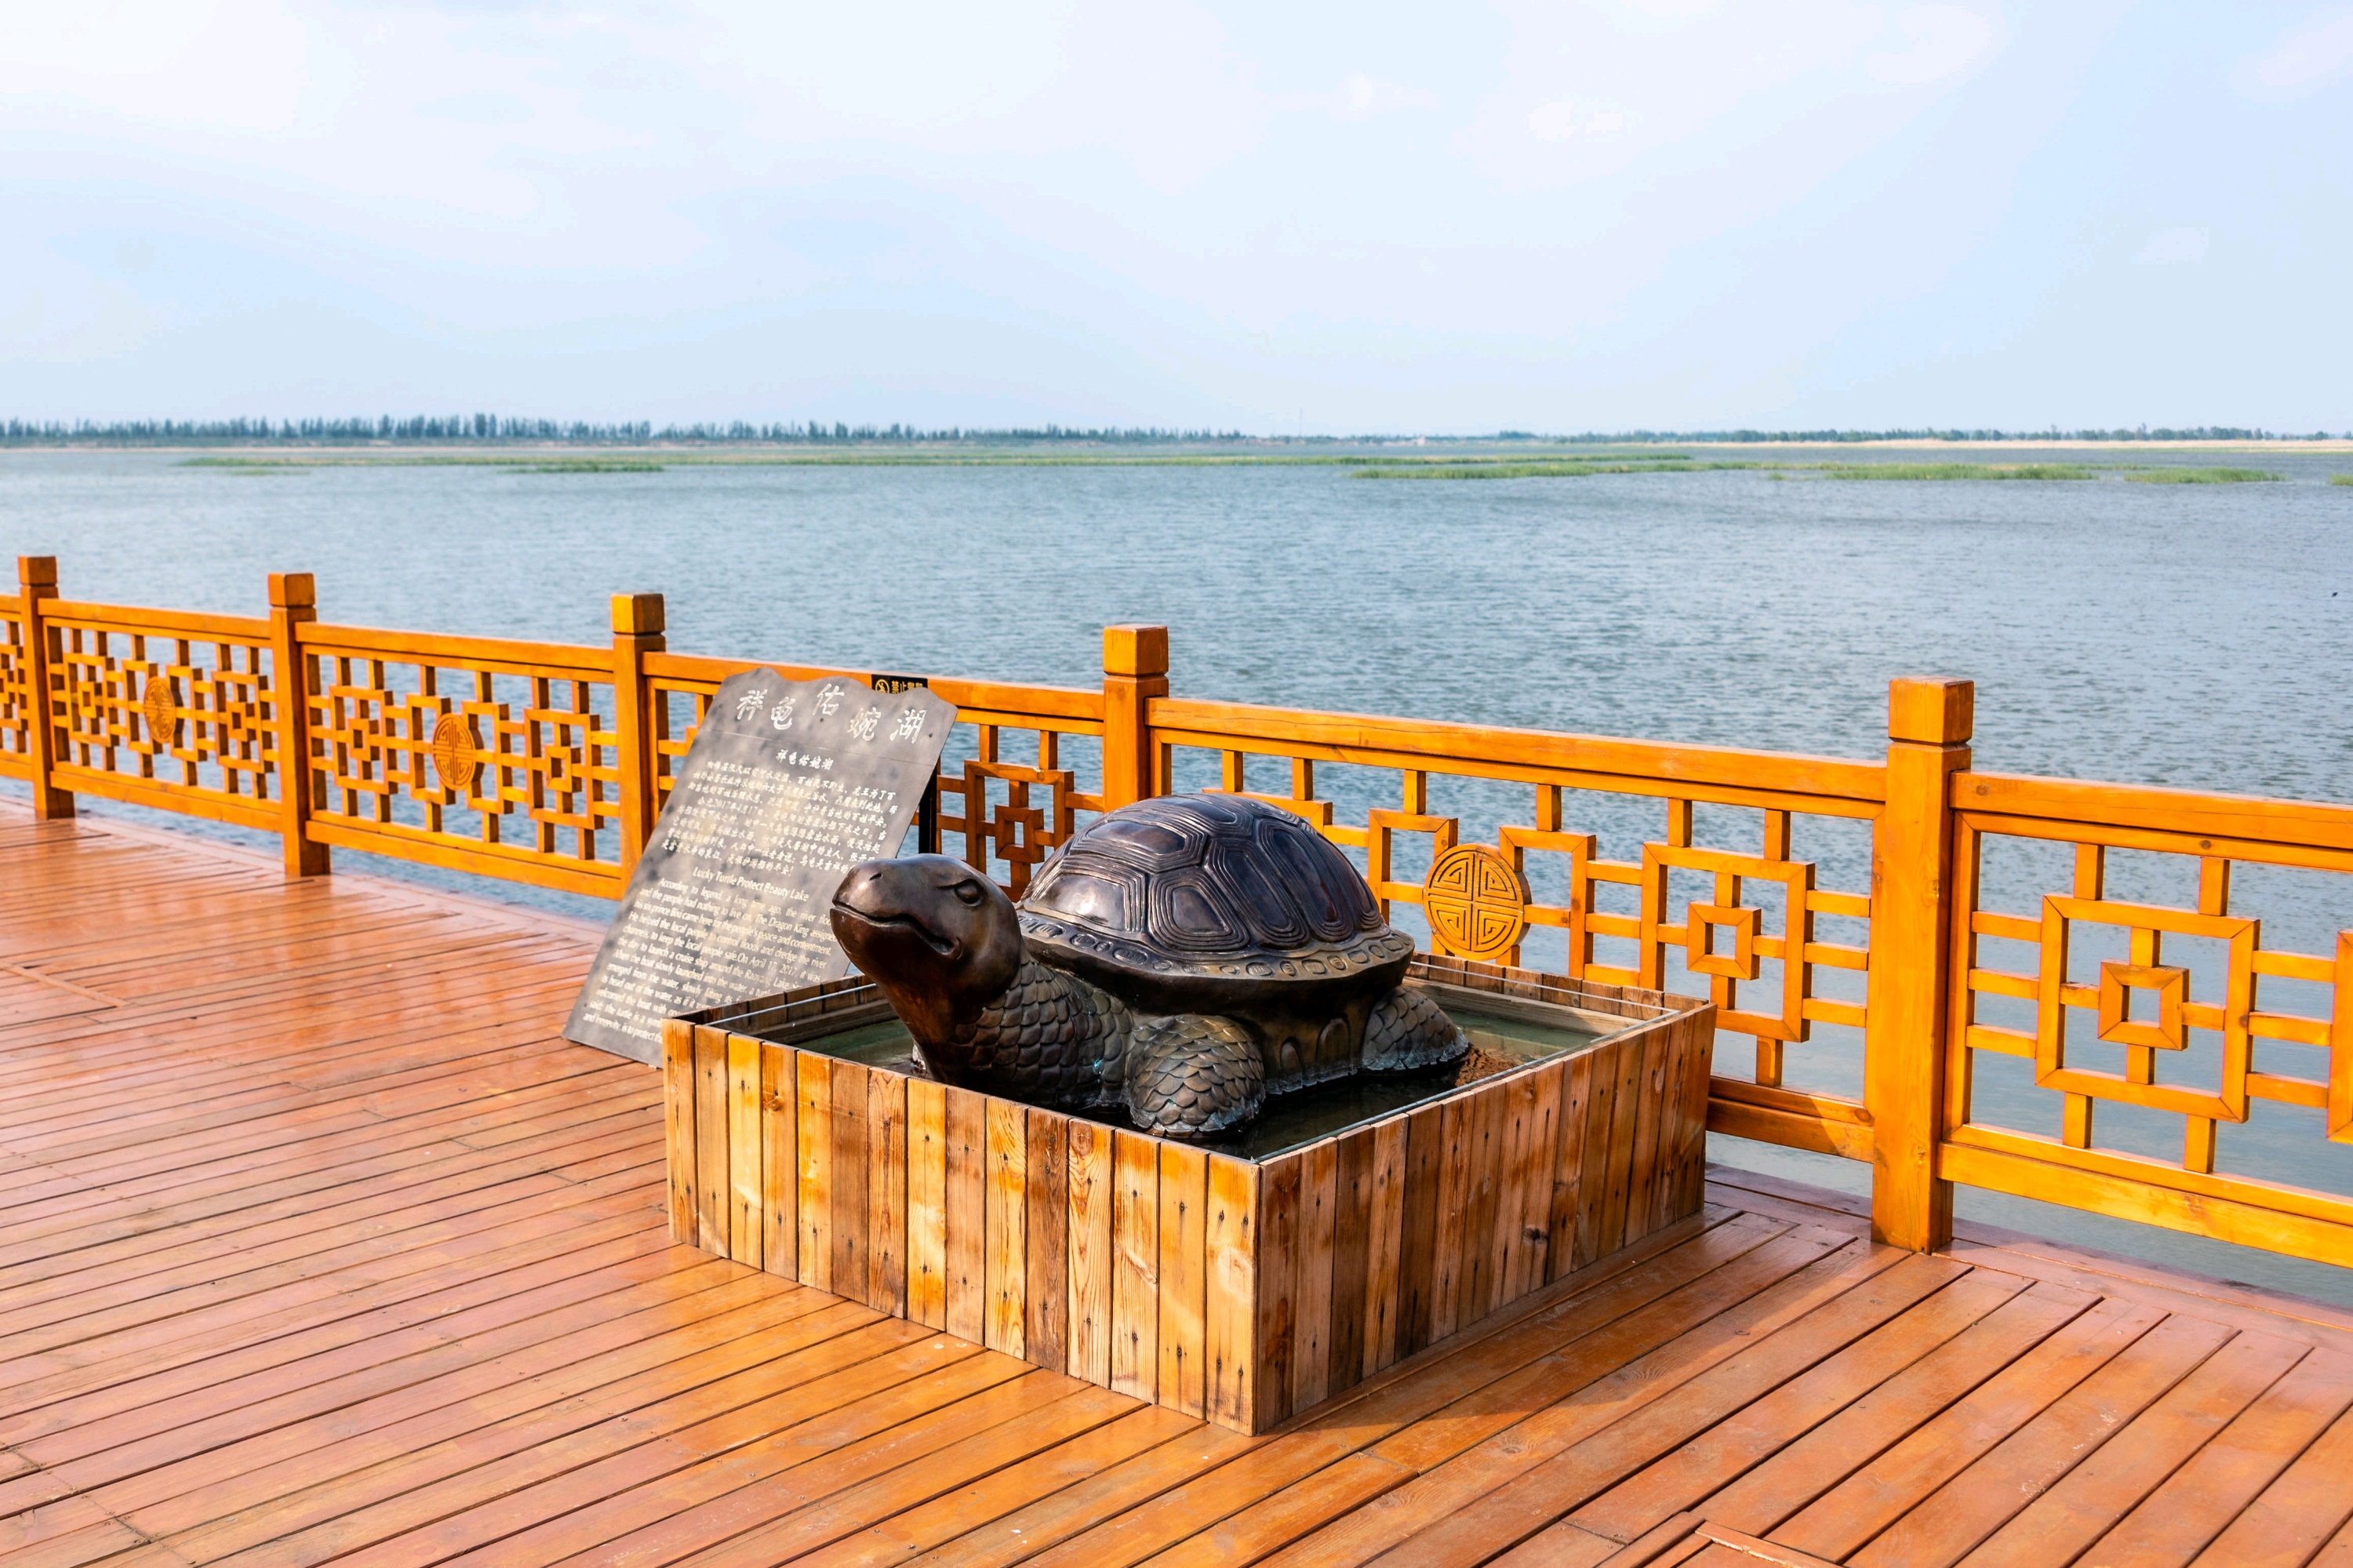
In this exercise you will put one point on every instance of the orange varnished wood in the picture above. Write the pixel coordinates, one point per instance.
(546, 764)
(306, 1256)
(1242, 1317)
(1344, 736)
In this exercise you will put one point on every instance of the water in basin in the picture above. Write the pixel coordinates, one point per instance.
(1289, 1121)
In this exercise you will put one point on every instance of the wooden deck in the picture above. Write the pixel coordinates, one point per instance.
(295, 1270)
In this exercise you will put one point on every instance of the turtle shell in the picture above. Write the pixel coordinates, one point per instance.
(1208, 904)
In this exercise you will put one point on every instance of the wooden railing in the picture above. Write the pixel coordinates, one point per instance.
(2179, 994)
(1886, 994)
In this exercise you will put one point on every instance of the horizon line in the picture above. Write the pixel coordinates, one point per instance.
(487, 429)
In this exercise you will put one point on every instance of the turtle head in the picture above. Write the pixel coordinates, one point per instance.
(939, 937)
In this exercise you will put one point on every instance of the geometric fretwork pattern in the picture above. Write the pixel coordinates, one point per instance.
(1718, 936)
(2146, 1002)
(1021, 831)
(1781, 1017)
(1379, 838)
(1013, 830)
(1477, 901)
(676, 708)
(528, 754)
(2057, 997)
(192, 714)
(16, 697)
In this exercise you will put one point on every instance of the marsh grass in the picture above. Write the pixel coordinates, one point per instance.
(1958, 470)
(590, 465)
(1507, 468)
(2340, 478)
(2201, 476)
(1361, 465)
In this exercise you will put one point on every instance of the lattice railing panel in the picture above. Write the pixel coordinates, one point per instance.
(1490, 866)
(162, 711)
(2150, 1021)
(675, 708)
(16, 694)
(467, 754)
(1012, 814)
(2119, 1008)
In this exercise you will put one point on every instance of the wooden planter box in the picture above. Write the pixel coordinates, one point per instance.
(1241, 1291)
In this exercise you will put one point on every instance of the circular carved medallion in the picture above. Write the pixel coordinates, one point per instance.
(457, 753)
(1477, 902)
(162, 710)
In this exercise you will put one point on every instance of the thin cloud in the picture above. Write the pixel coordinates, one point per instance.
(1939, 41)
(1604, 212)
(1566, 120)
(486, 106)
(1362, 96)
(2307, 59)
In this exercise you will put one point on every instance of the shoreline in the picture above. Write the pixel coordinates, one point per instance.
(1275, 449)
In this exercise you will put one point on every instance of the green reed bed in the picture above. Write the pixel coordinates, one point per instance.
(1517, 468)
(1505, 468)
(2340, 478)
(2202, 476)
(1360, 465)
(590, 465)
(308, 461)
(1958, 470)
(264, 465)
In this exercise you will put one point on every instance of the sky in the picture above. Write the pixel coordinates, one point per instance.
(1663, 214)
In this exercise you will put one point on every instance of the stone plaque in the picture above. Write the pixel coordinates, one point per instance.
(788, 784)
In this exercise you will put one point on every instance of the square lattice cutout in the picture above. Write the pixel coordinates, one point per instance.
(2171, 988)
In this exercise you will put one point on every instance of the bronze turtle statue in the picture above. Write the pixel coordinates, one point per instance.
(1183, 957)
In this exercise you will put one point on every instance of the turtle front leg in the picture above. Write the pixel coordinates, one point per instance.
(1192, 1075)
(1408, 1030)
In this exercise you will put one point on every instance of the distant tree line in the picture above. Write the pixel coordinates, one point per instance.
(487, 428)
(444, 430)
(2141, 433)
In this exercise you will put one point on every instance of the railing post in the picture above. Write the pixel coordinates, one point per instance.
(637, 626)
(1928, 727)
(37, 580)
(293, 599)
(1135, 671)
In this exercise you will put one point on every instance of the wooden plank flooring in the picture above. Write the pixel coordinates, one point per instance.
(317, 1246)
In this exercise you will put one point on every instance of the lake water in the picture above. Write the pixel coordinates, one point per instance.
(2184, 634)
